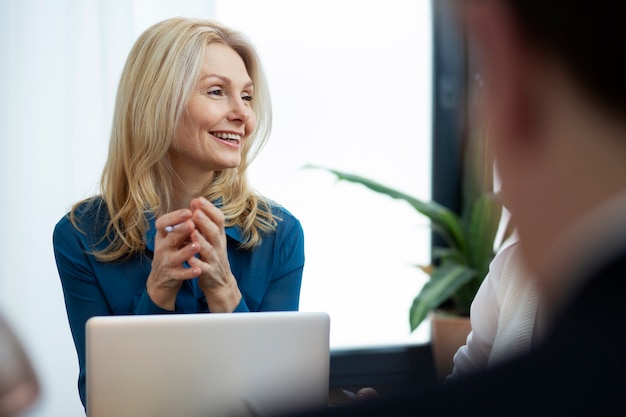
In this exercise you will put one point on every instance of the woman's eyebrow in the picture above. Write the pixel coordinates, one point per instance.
(226, 79)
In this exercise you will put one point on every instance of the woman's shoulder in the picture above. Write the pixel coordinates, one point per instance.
(283, 215)
(280, 210)
(89, 213)
(287, 226)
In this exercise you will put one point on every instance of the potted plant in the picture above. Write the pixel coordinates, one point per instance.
(459, 267)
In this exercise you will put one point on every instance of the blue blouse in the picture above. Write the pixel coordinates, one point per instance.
(269, 276)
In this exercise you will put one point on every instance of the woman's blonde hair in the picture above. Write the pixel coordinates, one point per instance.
(138, 180)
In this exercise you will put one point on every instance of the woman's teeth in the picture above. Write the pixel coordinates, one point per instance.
(227, 136)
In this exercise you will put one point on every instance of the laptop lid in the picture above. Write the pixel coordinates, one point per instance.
(205, 365)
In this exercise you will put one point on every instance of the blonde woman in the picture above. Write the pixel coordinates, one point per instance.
(176, 227)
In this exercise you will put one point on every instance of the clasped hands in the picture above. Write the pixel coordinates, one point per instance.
(191, 243)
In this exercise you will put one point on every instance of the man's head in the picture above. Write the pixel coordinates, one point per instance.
(555, 101)
(587, 36)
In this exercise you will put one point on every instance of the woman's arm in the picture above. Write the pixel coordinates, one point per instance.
(83, 296)
(283, 292)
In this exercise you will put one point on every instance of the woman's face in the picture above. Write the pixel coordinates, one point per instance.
(218, 118)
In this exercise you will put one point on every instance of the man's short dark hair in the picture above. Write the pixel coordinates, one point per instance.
(589, 36)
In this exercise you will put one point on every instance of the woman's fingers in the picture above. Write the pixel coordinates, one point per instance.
(176, 221)
(213, 262)
(209, 220)
(210, 235)
(173, 247)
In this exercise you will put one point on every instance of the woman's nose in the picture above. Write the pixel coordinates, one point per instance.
(239, 110)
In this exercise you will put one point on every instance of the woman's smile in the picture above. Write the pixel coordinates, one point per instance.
(228, 138)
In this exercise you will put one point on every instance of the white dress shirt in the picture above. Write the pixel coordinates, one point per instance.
(503, 315)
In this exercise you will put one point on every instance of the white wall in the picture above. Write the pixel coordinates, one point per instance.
(350, 83)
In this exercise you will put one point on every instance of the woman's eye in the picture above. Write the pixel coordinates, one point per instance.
(215, 92)
(246, 97)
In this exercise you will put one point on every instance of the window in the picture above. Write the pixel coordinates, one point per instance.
(351, 89)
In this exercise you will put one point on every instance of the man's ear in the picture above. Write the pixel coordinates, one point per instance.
(503, 58)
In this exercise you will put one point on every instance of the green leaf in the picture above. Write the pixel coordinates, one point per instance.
(481, 231)
(443, 254)
(443, 220)
(469, 239)
(444, 282)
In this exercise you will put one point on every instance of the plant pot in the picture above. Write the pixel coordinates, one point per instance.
(448, 334)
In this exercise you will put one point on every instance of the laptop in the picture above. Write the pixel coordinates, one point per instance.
(207, 365)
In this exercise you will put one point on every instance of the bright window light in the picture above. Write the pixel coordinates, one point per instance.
(351, 89)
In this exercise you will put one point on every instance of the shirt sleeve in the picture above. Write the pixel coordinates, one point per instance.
(242, 307)
(83, 296)
(145, 305)
(484, 313)
(283, 292)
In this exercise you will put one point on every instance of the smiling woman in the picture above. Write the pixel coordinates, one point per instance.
(175, 227)
(218, 119)
(351, 87)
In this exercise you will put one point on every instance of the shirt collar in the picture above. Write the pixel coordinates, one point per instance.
(234, 232)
